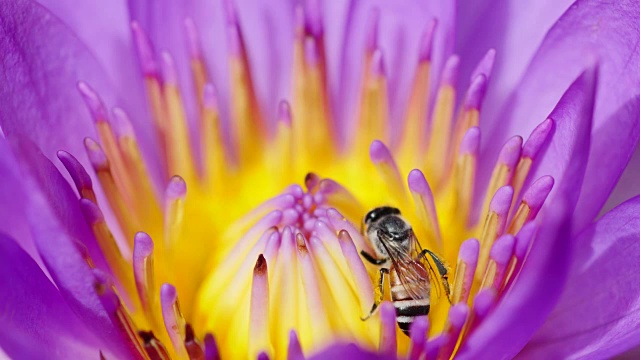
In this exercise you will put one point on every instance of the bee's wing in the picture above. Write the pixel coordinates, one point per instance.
(418, 255)
(409, 270)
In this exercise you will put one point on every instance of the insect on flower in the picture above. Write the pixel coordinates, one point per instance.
(400, 256)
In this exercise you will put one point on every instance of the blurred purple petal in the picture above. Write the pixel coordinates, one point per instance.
(39, 323)
(589, 31)
(57, 226)
(400, 29)
(514, 28)
(628, 186)
(598, 315)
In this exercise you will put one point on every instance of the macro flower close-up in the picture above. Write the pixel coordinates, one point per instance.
(319, 179)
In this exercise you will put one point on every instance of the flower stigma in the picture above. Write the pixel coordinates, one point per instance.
(250, 245)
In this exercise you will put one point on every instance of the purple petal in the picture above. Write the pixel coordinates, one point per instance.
(61, 235)
(522, 310)
(104, 28)
(628, 186)
(588, 31)
(12, 197)
(598, 315)
(41, 63)
(345, 352)
(565, 156)
(36, 321)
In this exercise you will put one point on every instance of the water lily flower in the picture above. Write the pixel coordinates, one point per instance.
(188, 180)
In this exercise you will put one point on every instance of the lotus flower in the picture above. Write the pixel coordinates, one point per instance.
(189, 179)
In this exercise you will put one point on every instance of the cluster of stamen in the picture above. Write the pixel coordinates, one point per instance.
(287, 275)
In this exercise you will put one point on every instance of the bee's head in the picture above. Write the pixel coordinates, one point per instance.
(378, 213)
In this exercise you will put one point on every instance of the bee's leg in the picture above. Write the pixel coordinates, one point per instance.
(379, 293)
(372, 259)
(442, 269)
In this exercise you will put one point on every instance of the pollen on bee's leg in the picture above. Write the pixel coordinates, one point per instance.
(174, 322)
(500, 256)
(117, 313)
(79, 175)
(465, 270)
(425, 206)
(494, 225)
(259, 339)
(388, 169)
(419, 329)
(531, 203)
(388, 340)
(456, 320)
(153, 347)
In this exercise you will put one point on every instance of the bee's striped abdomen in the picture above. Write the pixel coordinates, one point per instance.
(407, 307)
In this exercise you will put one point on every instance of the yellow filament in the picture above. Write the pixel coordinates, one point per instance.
(373, 113)
(156, 103)
(440, 134)
(489, 275)
(146, 204)
(468, 119)
(122, 211)
(245, 111)
(118, 264)
(521, 216)
(413, 134)
(458, 292)
(465, 180)
(116, 162)
(174, 214)
(499, 178)
(519, 176)
(213, 149)
(489, 235)
(280, 154)
(179, 157)
(199, 74)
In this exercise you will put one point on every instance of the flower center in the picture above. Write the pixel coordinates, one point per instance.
(250, 261)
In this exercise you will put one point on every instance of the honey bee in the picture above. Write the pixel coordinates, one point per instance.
(399, 255)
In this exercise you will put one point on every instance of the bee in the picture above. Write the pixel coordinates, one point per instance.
(400, 256)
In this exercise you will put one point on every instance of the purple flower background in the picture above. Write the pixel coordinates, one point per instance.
(577, 297)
